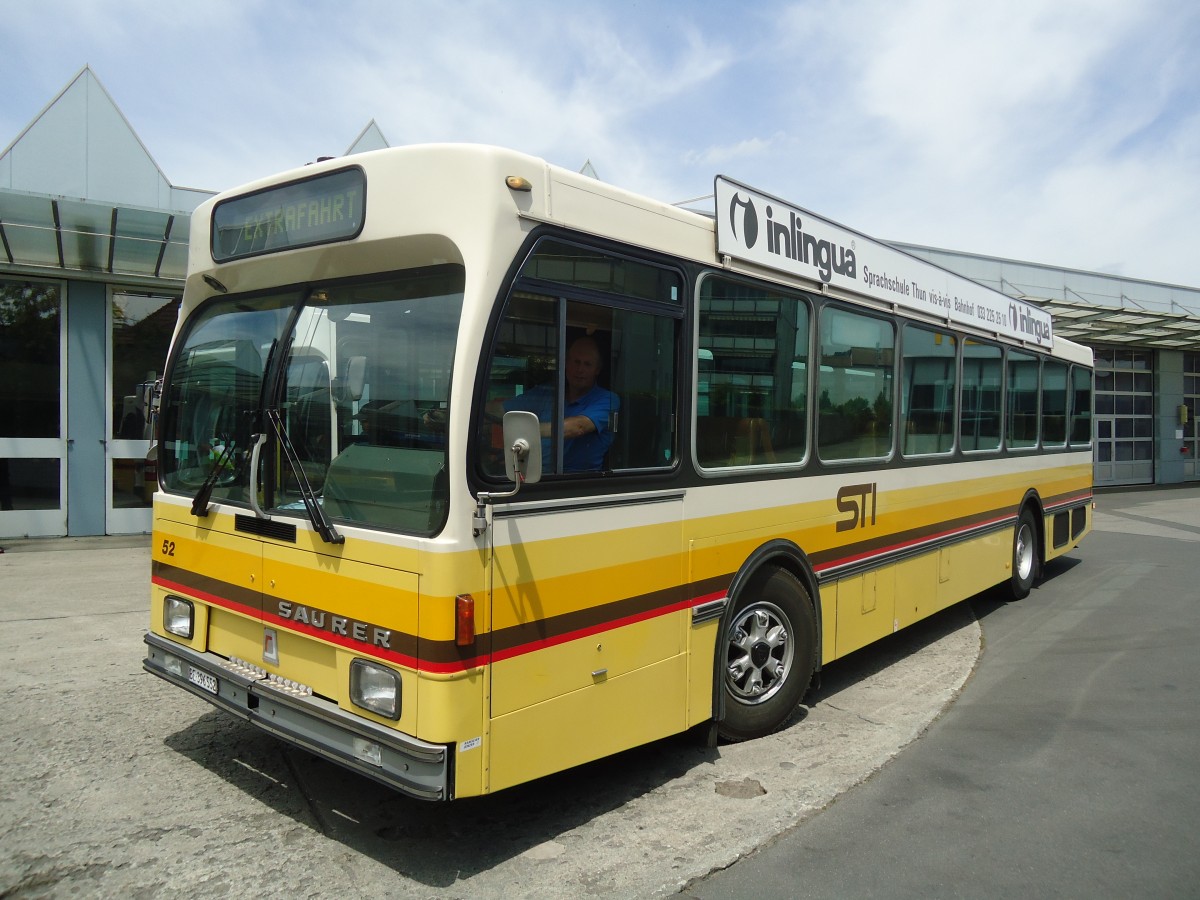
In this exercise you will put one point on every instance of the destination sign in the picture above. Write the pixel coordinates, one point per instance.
(764, 230)
(317, 210)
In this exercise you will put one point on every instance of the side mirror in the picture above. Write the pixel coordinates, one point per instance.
(356, 377)
(522, 462)
(522, 447)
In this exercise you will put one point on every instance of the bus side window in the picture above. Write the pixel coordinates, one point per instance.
(854, 385)
(1054, 404)
(1081, 406)
(980, 415)
(617, 370)
(524, 357)
(1022, 401)
(753, 366)
(642, 362)
(928, 390)
(600, 375)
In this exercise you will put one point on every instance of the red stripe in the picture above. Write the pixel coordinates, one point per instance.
(416, 663)
(214, 599)
(902, 545)
(402, 659)
(522, 649)
(1070, 499)
(419, 664)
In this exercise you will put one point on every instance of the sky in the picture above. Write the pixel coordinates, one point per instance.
(1064, 132)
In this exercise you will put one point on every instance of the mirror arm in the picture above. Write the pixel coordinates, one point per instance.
(520, 450)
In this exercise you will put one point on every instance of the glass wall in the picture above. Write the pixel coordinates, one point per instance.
(30, 392)
(141, 328)
(1191, 402)
(1124, 400)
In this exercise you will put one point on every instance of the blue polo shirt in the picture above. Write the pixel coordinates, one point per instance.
(581, 454)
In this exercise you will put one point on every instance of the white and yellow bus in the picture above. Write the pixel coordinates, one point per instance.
(473, 469)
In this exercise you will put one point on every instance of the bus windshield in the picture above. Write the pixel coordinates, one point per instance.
(359, 384)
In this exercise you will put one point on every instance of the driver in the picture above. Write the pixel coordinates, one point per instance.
(585, 428)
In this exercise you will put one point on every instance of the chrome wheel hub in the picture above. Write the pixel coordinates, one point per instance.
(758, 653)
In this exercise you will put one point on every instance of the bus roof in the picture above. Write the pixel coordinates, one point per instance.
(750, 232)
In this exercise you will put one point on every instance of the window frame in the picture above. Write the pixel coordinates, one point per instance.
(781, 292)
(1009, 412)
(891, 321)
(962, 386)
(902, 417)
(1074, 415)
(562, 294)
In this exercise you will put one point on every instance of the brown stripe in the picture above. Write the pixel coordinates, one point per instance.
(1080, 496)
(205, 584)
(912, 535)
(554, 627)
(583, 619)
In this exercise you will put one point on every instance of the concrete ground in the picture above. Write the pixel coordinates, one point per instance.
(117, 784)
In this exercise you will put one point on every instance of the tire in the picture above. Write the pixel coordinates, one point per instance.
(1026, 560)
(766, 655)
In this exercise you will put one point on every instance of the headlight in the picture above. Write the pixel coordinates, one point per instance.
(179, 617)
(375, 688)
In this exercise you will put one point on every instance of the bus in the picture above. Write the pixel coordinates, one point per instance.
(473, 469)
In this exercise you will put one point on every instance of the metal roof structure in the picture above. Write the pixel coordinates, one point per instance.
(1091, 324)
(1088, 307)
(40, 232)
(80, 193)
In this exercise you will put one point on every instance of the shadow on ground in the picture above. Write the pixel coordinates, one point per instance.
(439, 844)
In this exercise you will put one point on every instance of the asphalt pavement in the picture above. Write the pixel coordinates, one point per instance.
(1069, 765)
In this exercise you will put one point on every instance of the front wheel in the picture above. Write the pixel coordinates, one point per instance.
(1024, 556)
(768, 652)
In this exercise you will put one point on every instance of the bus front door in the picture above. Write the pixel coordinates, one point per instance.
(588, 629)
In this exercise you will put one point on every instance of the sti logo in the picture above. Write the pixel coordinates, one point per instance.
(853, 501)
(749, 216)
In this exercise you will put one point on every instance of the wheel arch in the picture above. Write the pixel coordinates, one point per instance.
(778, 553)
(1032, 501)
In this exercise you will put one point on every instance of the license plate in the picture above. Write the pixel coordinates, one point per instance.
(202, 679)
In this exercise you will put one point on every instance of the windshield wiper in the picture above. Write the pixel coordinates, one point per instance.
(274, 379)
(316, 512)
(200, 501)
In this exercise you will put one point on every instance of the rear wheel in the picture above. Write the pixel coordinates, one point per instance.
(1025, 558)
(768, 652)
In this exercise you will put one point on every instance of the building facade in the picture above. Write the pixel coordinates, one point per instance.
(93, 252)
(1146, 337)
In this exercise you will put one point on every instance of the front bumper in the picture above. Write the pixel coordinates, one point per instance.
(409, 765)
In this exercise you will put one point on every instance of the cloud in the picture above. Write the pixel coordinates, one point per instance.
(716, 155)
(1028, 129)
(1022, 129)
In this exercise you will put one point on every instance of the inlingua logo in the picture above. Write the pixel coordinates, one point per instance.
(749, 219)
(791, 240)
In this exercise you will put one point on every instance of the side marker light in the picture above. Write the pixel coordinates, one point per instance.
(464, 620)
